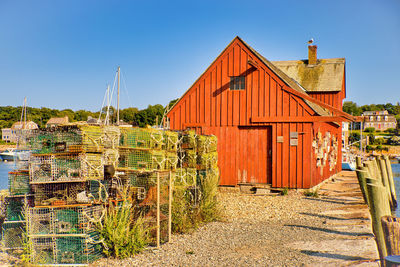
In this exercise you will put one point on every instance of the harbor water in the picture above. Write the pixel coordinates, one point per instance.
(5, 167)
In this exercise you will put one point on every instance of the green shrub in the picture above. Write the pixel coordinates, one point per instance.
(123, 235)
(184, 214)
(369, 130)
(391, 130)
(209, 208)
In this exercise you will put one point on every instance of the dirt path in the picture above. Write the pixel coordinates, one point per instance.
(292, 230)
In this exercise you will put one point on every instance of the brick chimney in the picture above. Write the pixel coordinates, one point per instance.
(312, 55)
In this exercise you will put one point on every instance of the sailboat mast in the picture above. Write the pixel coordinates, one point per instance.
(25, 112)
(118, 96)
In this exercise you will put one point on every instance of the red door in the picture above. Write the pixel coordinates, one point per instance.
(254, 155)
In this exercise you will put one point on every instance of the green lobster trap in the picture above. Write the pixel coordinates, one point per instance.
(12, 234)
(18, 182)
(171, 140)
(63, 220)
(188, 158)
(185, 177)
(206, 143)
(207, 160)
(59, 250)
(189, 139)
(57, 194)
(142, 159)
(57, 140)
(171, 160)
(16, 207)
(147, 138)
(92, 138)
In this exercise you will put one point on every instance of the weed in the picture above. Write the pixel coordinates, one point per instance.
(311, 193)
(189, 252)
(123, 235)
(284, 191)
(209, 207)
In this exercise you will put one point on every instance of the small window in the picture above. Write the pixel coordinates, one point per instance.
(237, 83)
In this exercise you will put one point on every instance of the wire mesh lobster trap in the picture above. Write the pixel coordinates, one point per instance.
(185, 177)
(66, 167)
(18, 182)
(12, 234)
(141, 159)
(98, 190)
(207, 160)
(155, 195)
(16, 207)
(67, 249)
(171, 140)
(148, 138)
(206, 143)
(57, 194)
(189, 139)
(187, 158)
(63, 220)
(59, 140)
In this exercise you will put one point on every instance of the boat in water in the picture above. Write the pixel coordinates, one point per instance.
(348, 160)
(13, 154)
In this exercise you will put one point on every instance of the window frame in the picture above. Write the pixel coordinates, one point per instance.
(237, 83)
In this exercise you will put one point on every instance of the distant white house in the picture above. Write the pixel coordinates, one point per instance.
(12, 134)
(380, 120)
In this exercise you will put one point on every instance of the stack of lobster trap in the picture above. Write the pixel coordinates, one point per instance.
(198, 159)
(76, 171)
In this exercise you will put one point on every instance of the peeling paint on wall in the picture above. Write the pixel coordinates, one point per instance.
(325, 150)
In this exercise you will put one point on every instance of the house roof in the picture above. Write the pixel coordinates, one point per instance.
(28, 125)
(288, 80)
(325, 76)
(58, 120)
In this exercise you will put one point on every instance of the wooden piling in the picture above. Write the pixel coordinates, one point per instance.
(390, 178)
(358, 162)
(158, 210)
(379, 207)
(385, 180)
(362, 173)
(391, 230)
(170, 207)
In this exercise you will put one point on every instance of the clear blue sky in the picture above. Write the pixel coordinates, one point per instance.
(61, 54)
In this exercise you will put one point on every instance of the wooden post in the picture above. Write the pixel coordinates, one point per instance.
(390, 178)
(158, 210)
(358, 162)
(385, 180)
(379, 208)
(361, 174)
(376, 169)
(170, 207)
(369, 164)
(391, 229)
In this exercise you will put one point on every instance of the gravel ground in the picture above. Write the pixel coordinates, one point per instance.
(290, 230)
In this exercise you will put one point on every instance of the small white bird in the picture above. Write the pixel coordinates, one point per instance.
(310, 41)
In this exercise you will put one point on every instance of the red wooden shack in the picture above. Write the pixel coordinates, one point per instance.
(277, 123)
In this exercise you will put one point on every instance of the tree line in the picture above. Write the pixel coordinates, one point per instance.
(132, 115)
(355, 110)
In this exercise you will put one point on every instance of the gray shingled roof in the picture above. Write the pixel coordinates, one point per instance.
(326, 76)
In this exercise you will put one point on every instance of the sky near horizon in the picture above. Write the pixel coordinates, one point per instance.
(62, 54)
